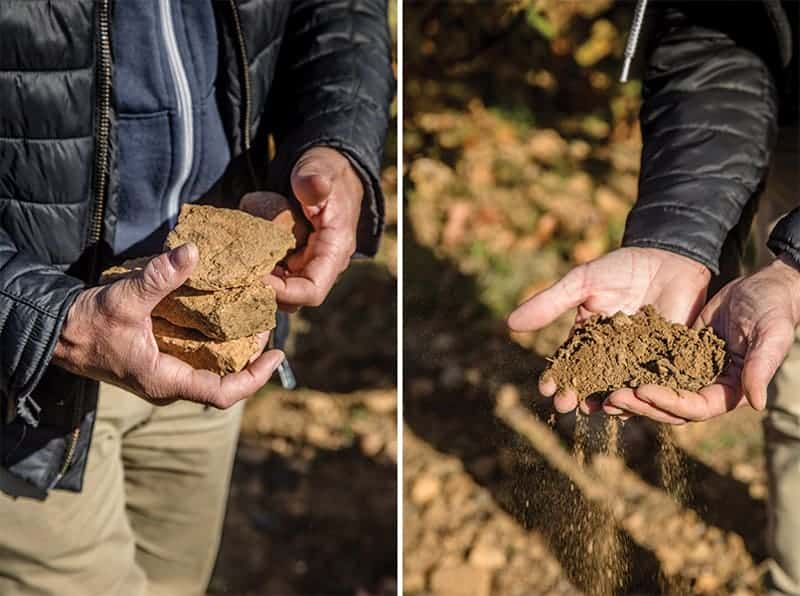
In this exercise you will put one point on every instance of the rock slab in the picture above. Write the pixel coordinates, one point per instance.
(192, 347)
(222, 315)
(236, 248)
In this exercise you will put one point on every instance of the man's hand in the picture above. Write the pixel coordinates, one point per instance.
(330, 194)
(623, 280)
(108, 336)
(756, 316)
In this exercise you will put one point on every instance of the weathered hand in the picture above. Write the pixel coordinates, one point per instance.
(330, 193)
(623, 280)
(108, 336)
(756, 316)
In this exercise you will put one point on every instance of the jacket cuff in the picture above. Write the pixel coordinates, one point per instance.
(785, 237)
(682, 230)
(371, 221)
(45, 330)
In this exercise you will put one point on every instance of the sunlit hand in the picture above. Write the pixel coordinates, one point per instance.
(623, 280)
(330, 193)
(756, 316)
(108, 336)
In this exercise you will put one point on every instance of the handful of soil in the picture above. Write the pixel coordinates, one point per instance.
(608, 353)
(211, 322)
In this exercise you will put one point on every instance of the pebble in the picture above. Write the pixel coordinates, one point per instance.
(382, 403)
(486, 556)
(706, 583)
(372, 444)
(461, 580)
(425, 489)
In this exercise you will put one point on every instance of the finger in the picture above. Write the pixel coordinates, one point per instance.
(139, 293)
(627, 400)
(547, 386)
(176, 379)
(277, 208)
(565, 401)
(264, 204)
(709, 402)
(235, 387)
(313, 176)
(545, 307)
(764, 356)
(263, 340)
(610, 410)
(311, 286)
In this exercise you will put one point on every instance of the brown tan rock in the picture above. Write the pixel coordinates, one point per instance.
(223, 315)
(236, 248)
(461, 580)
(221, 357)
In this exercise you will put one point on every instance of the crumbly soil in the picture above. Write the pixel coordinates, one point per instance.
(608, 353)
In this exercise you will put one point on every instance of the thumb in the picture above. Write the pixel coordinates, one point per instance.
(764, 355)
(541, 310)
(313, 176)
(163, 274)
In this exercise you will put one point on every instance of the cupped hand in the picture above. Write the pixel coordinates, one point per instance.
(757, 316)
(108, 336)
(623, 280)
(330, 194)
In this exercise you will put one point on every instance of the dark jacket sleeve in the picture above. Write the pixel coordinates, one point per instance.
(709, 121)
(333, 86)
(34, 301)
(785, 237)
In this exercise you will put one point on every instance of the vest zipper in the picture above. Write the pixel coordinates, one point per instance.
(184, 110)
(245, 73)
(100, 187)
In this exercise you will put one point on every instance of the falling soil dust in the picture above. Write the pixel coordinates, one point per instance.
(607, 353)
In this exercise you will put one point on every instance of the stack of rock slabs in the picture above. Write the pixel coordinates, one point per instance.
(212, 321)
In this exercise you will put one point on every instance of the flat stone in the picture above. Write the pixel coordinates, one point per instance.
(223, 315)
(461, 580)
(236, 248)
(221, 357)
(487, 556)
(426, 488)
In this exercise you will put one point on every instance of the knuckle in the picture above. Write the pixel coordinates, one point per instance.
(222, 402)
(156, 273)
(110, 301)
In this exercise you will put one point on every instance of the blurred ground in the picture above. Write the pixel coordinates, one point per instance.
(313, 502)
(521, 159)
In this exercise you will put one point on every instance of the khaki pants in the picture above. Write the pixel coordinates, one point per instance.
(149, 519)
(782, 422)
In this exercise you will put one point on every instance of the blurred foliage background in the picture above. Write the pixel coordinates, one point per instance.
(521, 148)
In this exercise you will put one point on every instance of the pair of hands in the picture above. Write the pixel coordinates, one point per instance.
(756, 315)
(108, 333)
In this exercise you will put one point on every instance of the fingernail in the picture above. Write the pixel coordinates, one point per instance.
(612, 410)
(183, 256)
